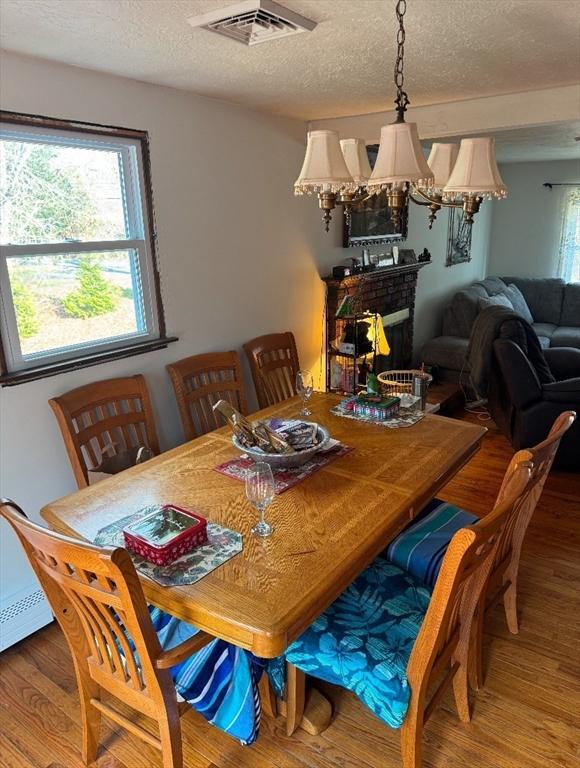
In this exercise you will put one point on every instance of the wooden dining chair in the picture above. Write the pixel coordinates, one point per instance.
(391, 642)
(274, 364)
(97, 599)
(420, 548)
(503, 580)
(199, 382)
(103, 419)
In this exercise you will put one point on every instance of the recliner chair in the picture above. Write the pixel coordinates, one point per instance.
(524, 409)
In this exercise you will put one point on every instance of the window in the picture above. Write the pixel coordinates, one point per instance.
(78, 274)
(569, 254)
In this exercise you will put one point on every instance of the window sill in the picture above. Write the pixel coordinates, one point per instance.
(44, 371)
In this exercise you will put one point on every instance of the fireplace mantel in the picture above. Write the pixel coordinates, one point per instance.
(380, 273)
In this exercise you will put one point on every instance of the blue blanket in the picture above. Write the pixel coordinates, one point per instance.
(220, 681)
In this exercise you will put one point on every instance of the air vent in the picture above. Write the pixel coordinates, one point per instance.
(253, 22)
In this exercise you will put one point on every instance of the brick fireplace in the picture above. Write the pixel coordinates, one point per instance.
(389, 292)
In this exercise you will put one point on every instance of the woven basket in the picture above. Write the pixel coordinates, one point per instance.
(400, 382)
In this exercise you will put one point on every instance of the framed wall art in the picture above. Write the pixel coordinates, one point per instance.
(371, 222)
(458, 238)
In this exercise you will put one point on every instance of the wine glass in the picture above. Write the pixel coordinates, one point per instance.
(304, 387)
(260, 491)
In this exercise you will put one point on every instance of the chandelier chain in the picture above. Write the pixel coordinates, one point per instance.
(402, 99)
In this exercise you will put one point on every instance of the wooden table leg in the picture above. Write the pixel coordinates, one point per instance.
(317, 714)
(267, 697)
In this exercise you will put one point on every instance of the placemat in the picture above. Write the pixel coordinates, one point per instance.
(285, 478)
(405, 418)
(223, 544)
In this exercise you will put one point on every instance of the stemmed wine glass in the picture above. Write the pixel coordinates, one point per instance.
(260, 491)
(304, 387)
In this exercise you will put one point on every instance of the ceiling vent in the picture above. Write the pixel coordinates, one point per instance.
(253, 22)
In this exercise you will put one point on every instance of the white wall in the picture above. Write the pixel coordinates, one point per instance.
(526, 227)
(238, 254)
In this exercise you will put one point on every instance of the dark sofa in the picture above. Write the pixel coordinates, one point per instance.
(553, 304)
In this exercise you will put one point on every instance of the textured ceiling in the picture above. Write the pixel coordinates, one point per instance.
(455, 49)
(540, 142)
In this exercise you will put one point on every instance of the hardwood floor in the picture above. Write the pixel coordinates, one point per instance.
(525, 717)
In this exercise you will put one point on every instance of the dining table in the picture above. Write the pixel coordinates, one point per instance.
(327, 528)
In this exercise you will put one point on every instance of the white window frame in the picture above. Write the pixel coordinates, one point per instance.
(140, 238)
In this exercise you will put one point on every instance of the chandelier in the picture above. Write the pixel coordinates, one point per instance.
(453, 176)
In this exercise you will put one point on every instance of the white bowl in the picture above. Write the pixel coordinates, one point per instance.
(287, 460)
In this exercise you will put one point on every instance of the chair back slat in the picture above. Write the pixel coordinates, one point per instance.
(105, 418)
(274, 364)
(540, 459)
(199, 382)
(464, 572)
(111, 632)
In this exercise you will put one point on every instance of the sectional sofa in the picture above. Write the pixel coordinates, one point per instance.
(553, 304)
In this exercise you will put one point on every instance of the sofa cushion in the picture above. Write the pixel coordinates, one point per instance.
(464, 310)
(544, 332)
(565, 337)
(493, 285)
(544, 296)
(571, 306)
(518, 302)
(446, 352)
(499, 300)
(544, 342)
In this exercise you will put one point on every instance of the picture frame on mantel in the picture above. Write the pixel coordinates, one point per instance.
(371, 222)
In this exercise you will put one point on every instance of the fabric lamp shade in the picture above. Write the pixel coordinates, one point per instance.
(400, 159)
(356, 159)
(475, 173)
(324, 168)
(441, 160)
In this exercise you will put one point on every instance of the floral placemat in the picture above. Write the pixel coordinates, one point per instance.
(223, 544)
(405, 418)
(285, 478)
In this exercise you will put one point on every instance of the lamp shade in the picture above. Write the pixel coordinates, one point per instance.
(441, 160)
(324, 168)
(475, 173)
(400, 158)
(356, 159)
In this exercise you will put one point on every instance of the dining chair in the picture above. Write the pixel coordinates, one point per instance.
(102, 419)
(274, 364)
(420, 548)
(390, 640)
(199, 382)
(97, 599)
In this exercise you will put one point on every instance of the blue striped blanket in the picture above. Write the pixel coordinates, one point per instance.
(421, 547)
(220, 681)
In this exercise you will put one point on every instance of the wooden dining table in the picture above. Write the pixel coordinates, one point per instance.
(327, 528)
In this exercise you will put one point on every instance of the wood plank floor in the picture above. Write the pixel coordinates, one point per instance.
(525, 717)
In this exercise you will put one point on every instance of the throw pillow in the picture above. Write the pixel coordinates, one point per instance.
(519, 302)
(499, 300)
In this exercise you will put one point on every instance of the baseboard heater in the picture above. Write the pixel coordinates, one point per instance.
(28, 611)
